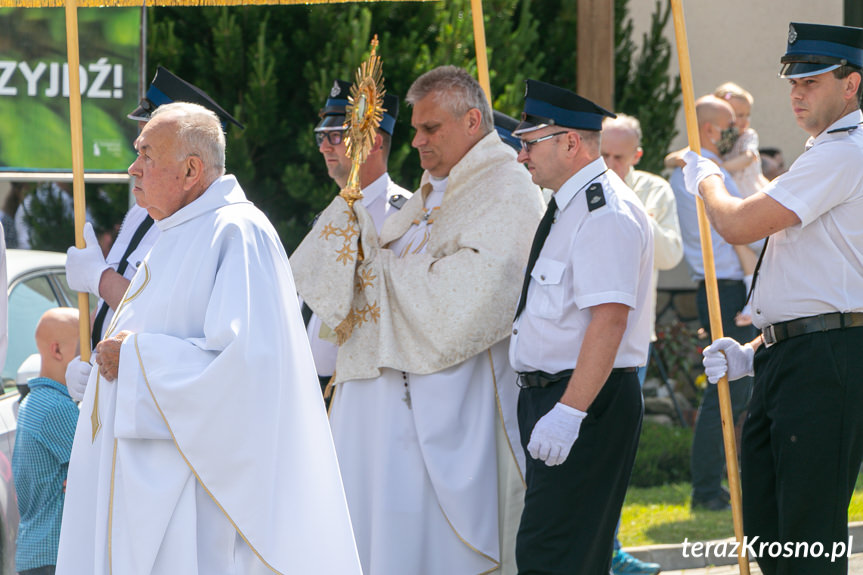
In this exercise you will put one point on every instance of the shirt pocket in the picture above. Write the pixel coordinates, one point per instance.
(546, 294)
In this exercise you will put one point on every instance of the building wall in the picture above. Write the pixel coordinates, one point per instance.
(742, 41)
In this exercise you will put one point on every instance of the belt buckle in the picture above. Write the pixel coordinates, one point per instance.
(768, 335)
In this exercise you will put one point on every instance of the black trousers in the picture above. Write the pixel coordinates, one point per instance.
(802, 447)
(571, 510)
(707, 459)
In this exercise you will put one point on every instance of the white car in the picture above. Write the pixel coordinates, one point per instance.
(37, 283)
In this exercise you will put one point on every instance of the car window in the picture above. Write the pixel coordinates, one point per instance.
(70, 294)
(28, 300)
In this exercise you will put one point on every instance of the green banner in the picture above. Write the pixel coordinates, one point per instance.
(34, 88)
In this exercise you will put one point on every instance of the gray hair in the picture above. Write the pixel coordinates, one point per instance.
(454, 89)
(199, 133)
(625, 122)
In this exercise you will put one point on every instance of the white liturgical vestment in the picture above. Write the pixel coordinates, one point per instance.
(212, 454)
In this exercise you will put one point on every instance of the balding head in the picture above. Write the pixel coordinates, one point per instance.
(714, 115)
(621, 143)
(57, 340)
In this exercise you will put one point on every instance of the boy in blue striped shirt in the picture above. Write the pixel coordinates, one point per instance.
(46, 426)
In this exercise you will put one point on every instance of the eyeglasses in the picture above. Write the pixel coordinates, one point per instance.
(527, 144)
(334, 137)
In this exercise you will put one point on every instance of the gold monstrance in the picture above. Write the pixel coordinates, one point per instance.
(364, 113)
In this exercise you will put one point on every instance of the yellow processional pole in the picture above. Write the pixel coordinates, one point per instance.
(479, 42)
(77, 164)
(710, 285)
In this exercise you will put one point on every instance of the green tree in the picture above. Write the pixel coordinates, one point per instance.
(273, 66)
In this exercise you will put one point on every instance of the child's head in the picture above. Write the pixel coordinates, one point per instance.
(740, 100)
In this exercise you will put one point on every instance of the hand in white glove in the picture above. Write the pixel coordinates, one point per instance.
(84, 267)
(698, 168)
(77, 374)
(553, 435)
(737, 360)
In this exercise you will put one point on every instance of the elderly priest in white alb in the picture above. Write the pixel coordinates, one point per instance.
(203, 445)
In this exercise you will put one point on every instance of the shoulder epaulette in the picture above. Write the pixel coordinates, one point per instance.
(846, 129)
(595, 197)
(397, 201)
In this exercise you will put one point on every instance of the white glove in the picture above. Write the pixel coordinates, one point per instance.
(737, 360)
(77, 374)
(84, 267)
(698, 168)
(553, 435)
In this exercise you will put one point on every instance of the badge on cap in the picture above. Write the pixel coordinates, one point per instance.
(792, 34)
(336, 90)
(595, 197)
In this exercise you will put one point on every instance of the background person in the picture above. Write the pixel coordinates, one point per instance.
(43, 443)
(381, 195)
(715, 117)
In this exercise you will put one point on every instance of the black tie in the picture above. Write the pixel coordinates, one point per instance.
(535, 248)
(757, 268)
(99, 321)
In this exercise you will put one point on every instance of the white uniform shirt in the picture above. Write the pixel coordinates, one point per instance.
(816, 267)
(376, 199)
(589, 258)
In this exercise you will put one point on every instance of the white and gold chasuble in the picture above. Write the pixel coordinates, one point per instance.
(424, 413)
(213, 454)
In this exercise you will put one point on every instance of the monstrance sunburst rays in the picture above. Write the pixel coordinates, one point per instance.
(363, 116)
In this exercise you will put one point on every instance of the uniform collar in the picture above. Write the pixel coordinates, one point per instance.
(47, 382)
(374, 190)
(578, 181)
(852, 119)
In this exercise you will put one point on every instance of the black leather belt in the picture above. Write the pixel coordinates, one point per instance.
(796, 327)
(543, 379)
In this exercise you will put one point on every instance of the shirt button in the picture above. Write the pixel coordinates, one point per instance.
(515, 332)
(542, 277)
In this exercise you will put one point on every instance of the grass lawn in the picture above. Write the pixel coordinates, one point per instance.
(661, 515)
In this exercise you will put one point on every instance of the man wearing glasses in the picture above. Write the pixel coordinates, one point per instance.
(581, 329)
(381, 195)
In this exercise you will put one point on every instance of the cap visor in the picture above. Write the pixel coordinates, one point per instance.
(330, 123)
(139, 114)
(804, 69)
(525, 127)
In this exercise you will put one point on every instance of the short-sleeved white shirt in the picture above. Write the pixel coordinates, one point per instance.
(816, 267)
(589, 258)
